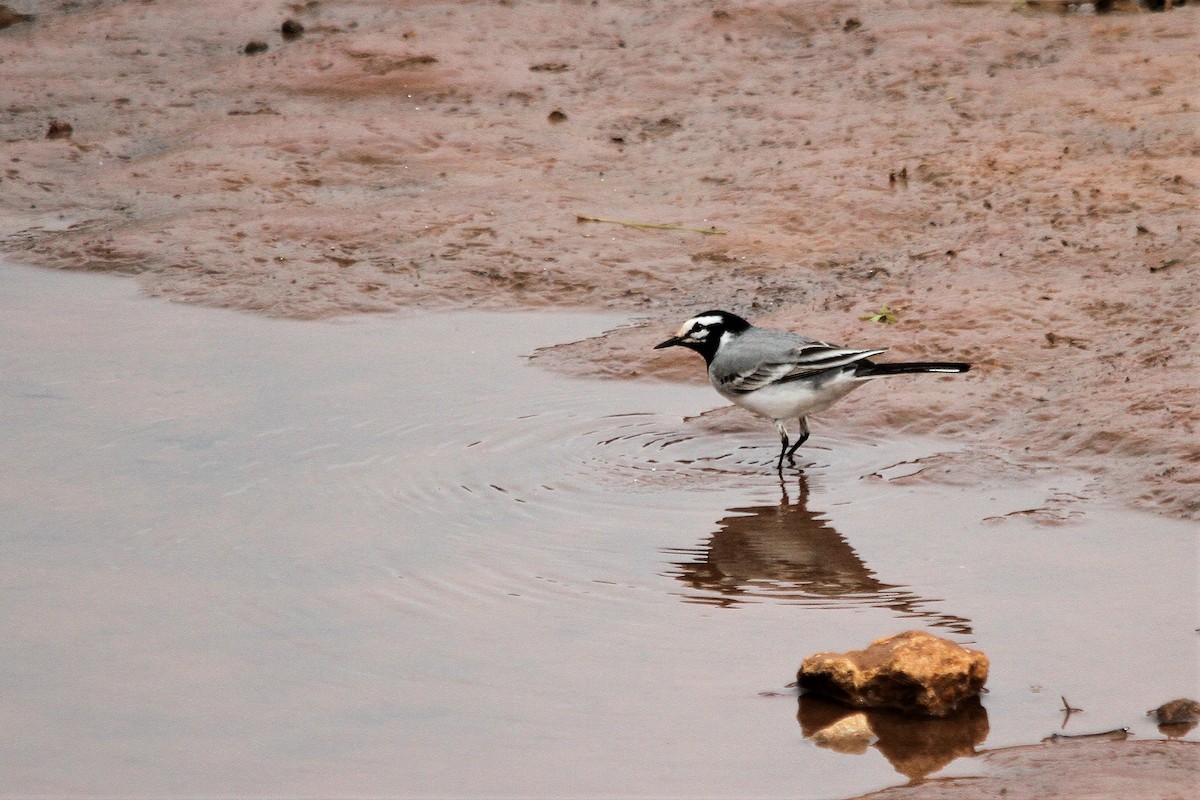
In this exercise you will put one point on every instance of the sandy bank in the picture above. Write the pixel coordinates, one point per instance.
(1020, 188)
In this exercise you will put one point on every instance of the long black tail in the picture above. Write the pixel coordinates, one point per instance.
(867, 369)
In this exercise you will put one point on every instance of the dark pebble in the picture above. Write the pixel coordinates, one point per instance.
(1177, 711)
(59, 130)
(291, 29)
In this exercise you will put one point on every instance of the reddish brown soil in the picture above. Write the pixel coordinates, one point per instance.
(1099, 770)
(1019, 186)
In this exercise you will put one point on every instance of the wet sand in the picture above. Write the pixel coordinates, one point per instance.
(1021, 188)
(1145, 770)
(1092, 771)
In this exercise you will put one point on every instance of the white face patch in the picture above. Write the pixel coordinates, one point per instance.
(696, 328)
(706, 321)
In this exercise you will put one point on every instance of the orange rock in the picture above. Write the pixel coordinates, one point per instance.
(913, 671)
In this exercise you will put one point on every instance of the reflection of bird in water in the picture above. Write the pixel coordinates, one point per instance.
(791, 554)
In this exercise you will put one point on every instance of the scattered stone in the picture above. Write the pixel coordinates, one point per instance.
(554, 66)
(10, 17)
(662, 127)
(254, 47)
(915, 672)
(59, 130)
(557, 116)
(852, 24)
(291, 29)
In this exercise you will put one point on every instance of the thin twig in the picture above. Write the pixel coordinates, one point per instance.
(1068, 709)
(1118, 734)
(650, 225)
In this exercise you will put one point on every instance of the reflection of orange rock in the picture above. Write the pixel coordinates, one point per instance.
(913, 671)
(920, 746)
(915, 746)
(851, 734)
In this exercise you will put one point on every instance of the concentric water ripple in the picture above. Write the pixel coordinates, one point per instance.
(239, 546)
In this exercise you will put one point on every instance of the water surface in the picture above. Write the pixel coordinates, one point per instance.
(388, 556)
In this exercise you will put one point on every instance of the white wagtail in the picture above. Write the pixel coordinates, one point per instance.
(782, 375)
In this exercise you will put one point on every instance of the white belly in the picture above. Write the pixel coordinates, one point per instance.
(795, 399)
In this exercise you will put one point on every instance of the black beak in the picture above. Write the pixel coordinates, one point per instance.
(674, 340)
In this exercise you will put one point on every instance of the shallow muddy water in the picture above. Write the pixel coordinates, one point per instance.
(388, 556)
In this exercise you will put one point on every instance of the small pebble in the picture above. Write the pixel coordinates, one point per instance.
(1177, 711)
(59, 130)
(291, 29)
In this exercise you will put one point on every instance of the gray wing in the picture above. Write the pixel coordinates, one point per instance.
(765, 357)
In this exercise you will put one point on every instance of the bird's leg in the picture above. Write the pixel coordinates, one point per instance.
(803, 437)
(783, 438)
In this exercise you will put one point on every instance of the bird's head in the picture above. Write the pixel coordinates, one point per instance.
(703, 332)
